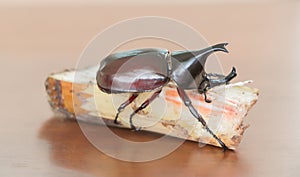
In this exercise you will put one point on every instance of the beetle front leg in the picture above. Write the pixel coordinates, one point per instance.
(222, 80)
(194, 112)
(124, 105)
(143, 106)
(204, 88)
(205, 96)
(231, 75)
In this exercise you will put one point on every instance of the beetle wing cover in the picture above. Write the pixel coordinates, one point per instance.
(133, 71)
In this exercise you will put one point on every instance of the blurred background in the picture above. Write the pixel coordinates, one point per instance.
(42, 37)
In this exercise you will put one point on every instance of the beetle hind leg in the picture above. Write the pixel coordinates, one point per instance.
(143, 106)
(124, 105)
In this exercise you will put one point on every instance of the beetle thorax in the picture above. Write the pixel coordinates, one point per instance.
(187, 74)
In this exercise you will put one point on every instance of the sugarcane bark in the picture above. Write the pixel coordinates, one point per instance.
(76, 95)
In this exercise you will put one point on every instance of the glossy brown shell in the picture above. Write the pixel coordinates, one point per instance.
(134, 71)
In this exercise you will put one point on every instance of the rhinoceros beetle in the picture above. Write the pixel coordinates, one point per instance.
(145, 70)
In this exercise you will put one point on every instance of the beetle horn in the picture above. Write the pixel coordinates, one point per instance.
(200, 55)
(203, 54)
(190, 64)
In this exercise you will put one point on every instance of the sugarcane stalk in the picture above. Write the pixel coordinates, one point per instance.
(75, 94)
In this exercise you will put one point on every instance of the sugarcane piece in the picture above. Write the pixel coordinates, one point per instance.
(75, 94)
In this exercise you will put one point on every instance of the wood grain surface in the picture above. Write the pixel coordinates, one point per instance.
(35, 41)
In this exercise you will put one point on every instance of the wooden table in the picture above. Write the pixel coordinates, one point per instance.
(264, 46)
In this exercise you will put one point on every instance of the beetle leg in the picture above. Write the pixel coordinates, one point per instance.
(194, 112)
(231, 75)
(209, 75)
(143, 106)
(123, 106)
(205, 96)
(206, 86)
(223, 80)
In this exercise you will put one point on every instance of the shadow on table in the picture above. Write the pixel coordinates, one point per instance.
(70, 149)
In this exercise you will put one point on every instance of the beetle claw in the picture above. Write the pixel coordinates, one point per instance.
(135, 129)
(117, 122)
(207, 100)
(225, 148)
(205, 97)
(116, 118)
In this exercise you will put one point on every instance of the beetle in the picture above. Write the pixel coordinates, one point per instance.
(149, 69)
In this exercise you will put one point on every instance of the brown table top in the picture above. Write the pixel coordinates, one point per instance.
(264, 46)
